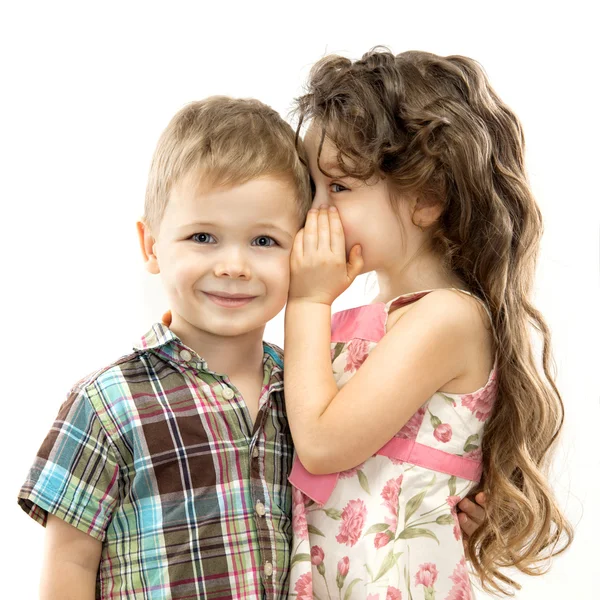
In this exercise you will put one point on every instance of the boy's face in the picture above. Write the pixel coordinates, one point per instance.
(223, 254)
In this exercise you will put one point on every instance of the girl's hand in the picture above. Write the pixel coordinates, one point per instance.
(319, 270)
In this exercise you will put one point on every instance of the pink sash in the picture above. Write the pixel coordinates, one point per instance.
(320, 487)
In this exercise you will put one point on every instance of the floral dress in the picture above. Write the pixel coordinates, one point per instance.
(387, 529)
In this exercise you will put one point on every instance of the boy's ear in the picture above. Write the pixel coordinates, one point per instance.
(147, 242)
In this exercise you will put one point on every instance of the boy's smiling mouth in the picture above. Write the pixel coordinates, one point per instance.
(227, 300)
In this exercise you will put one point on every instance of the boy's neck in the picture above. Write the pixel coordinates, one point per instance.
(225, 355)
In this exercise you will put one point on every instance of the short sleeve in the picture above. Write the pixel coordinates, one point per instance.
(75, 475)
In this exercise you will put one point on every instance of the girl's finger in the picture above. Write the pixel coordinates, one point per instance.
(338, 239)
(473, 511)
(355, 263)
(467, 525)
(324, 242)
(309, 240)
(298, 247)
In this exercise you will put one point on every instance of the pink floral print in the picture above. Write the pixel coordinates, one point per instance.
(452, 502)
(358, 350)
(316, 555)
(461, 590)
(481, 403)
(303, 587)
(443, 433)
(382, 539)
(393, 593)
(476, 454)
(299, 524)
(353, 520)
(456, 529)
(411, 428)
(343, 566)
(390, 493)
(427, 575)
(342, 571)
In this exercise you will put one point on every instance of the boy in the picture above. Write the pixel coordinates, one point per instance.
(165, 473)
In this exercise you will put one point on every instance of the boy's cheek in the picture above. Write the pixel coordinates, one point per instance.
(184, 267)
(278, 275)
(284, 270)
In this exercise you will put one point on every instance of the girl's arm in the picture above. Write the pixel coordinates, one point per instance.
(70, 563)
(337, 430)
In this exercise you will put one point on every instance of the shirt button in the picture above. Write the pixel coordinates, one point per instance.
(268, 569)
(260, 510)
(185, 355)
(255, 452)
(228, 393)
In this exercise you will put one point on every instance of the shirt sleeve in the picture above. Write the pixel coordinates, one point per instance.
(75, 475)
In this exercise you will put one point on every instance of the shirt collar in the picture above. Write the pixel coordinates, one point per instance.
(159, 335)
(162, 340)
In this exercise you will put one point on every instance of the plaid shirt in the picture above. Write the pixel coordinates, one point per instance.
(157, 457)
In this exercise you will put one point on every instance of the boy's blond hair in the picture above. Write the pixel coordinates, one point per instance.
(228, 142)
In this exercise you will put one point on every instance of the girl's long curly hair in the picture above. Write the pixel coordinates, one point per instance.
(434, 125)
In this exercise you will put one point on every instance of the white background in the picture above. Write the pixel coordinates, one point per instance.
(88, 87)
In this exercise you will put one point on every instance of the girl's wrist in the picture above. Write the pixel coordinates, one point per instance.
(309, 301)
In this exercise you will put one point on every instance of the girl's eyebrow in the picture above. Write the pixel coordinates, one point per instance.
(334, 171)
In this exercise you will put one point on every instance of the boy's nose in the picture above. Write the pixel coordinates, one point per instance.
(235, 271)
(233, 265)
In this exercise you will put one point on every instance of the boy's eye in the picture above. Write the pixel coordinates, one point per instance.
(336, 188)
(264, 241)
(203, 238)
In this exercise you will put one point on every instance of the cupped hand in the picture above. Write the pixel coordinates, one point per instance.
(319, 269)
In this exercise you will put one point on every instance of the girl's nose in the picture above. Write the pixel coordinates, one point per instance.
(321, 197)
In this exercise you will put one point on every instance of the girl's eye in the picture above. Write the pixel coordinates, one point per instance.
(336, 188)
(203, 238)
(264, 241)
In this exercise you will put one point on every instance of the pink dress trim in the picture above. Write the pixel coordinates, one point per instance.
(320, 487)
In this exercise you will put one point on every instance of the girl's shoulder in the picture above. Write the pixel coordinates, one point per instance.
(401, 304)
(455, 306)
(459, 321)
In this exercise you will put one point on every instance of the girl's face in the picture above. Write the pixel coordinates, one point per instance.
(385, 234)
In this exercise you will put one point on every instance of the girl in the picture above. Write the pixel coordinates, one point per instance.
(435, 392)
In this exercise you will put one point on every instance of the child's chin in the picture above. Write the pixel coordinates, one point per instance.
(229, 329)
